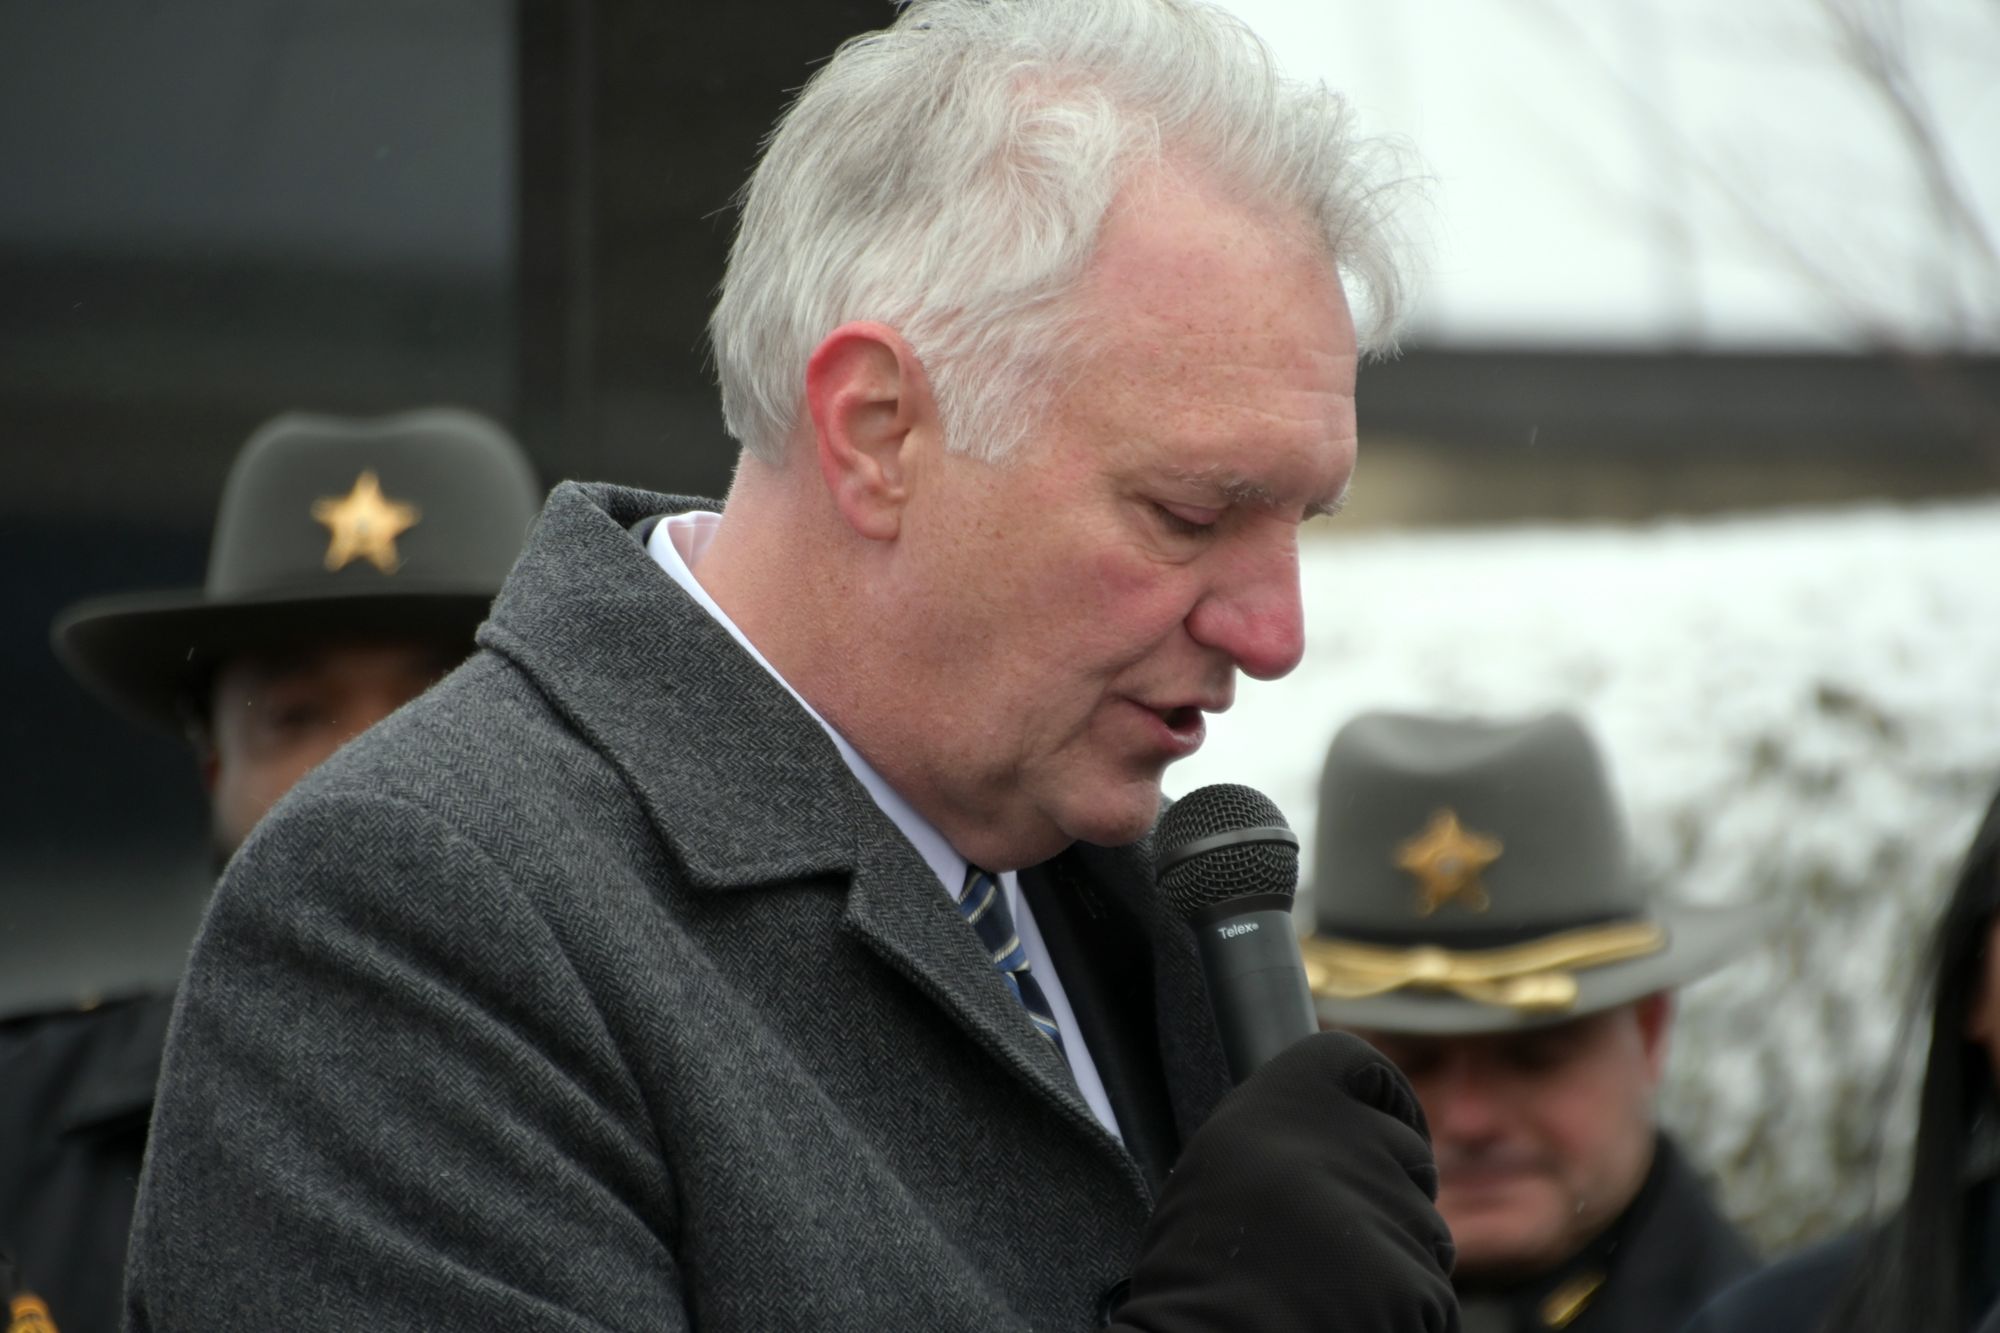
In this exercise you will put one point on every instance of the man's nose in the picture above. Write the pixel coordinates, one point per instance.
(1253, 611)
(1462, 1103)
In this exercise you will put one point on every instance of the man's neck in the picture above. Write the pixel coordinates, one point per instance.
(834, 629)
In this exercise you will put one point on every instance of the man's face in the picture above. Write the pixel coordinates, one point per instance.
(274, 715)
(1542, 1137)
(1086, 602)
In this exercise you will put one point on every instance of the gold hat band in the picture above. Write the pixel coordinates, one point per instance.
(1536, 977)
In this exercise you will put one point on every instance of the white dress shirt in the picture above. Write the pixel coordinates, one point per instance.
(676, 545)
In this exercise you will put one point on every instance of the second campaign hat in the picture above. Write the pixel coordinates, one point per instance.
(1473, 876)
(396, 525)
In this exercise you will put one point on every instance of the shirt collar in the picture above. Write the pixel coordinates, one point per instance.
(677, 544)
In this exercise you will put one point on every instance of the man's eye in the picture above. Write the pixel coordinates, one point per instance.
(1187, 520)
(1537, 1057)
(302, 717)
(282, 715)
(1414, 1064)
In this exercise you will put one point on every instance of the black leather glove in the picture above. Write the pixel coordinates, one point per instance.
(1306, 1202)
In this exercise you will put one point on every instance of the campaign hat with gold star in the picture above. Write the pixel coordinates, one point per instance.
(391, 526)
(1472, 875)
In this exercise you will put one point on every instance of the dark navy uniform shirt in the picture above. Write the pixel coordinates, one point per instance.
(76, 1093)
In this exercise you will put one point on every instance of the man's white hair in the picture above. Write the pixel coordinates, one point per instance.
(949, 175)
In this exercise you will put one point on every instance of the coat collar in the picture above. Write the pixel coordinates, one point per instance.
(649, 677)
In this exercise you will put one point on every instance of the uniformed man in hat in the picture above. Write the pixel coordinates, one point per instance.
(350, 563)
(1478, 920)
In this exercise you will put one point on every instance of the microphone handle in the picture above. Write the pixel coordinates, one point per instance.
(1256, 982)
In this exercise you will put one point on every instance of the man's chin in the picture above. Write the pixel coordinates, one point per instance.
(1498, 1250)
(222, 845)
(1119, 823)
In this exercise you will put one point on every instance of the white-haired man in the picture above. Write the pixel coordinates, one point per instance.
(758, 934)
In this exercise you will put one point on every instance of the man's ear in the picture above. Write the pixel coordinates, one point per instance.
(198, 731)
(209, 763)
(1656, 1020)
(873, 416)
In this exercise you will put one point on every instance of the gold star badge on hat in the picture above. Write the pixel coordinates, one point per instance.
(1447, 862)
(365, 524)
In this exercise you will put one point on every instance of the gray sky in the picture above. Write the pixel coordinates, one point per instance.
(1704, 172)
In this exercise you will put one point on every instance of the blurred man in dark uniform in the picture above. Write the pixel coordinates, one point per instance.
(1479, 922)
(350, 564)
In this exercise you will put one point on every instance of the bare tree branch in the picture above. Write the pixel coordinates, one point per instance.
(1875, 47)
(1871, 39)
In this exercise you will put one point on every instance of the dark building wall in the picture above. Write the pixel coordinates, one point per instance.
(1508, 434)
(640, 124)
(211, 213)
(216, 211)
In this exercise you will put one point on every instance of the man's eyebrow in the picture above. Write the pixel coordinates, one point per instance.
(1242, 490)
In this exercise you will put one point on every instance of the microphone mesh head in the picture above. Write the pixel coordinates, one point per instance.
(1220, 874)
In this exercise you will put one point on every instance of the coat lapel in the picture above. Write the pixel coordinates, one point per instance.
(899, 910)
(731, 771)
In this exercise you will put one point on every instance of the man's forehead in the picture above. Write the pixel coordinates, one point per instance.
(1183, 256)
(321, 655)
(1571, 1031)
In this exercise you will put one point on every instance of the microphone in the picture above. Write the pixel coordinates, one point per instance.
(1229, 865)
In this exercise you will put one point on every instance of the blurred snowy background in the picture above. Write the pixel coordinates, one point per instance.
(1800, 710)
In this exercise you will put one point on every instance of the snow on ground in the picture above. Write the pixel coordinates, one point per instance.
(1800, 710)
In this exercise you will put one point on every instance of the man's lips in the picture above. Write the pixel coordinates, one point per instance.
(1484, 1177)
(1181, 727)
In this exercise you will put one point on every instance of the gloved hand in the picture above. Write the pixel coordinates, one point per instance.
(1306, 1202)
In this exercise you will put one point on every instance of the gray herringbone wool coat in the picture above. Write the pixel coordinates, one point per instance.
(590, 991)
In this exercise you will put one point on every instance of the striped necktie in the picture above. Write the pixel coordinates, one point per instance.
(984, 906)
